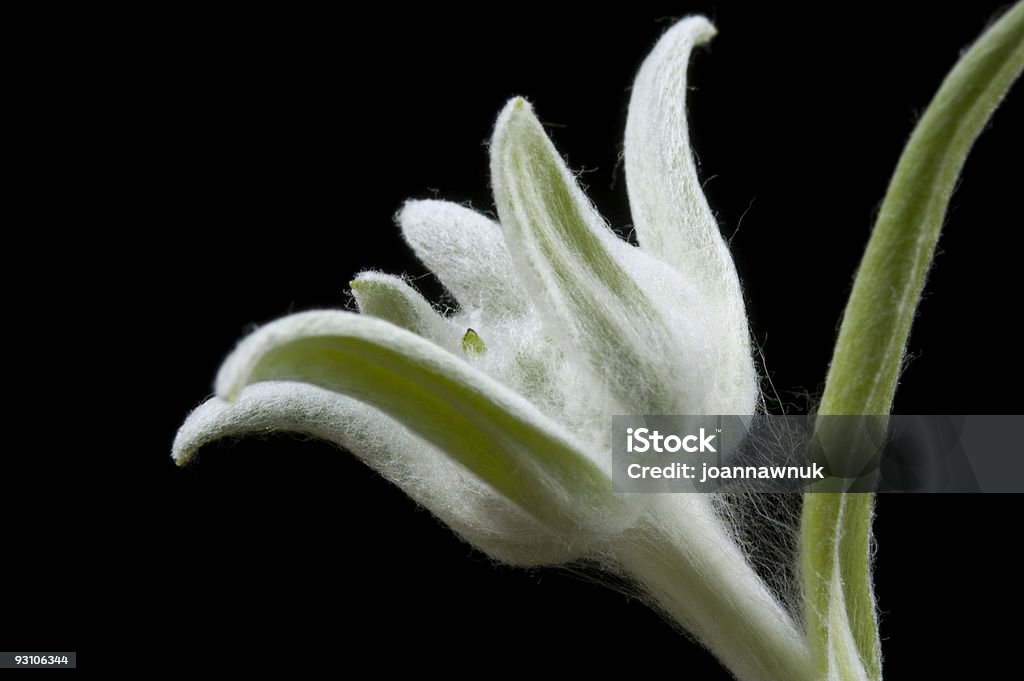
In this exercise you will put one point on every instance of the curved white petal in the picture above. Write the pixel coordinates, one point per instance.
(447, 490)
(494, 432)
(467, 252)
(670, 214)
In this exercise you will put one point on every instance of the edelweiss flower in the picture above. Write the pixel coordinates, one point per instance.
(497, 417)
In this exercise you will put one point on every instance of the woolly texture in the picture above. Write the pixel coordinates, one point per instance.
(672, 218)
(594, 287)
(388, 297)
(506, 437)
(495, 415)
(467, 252)
(868, 356)
(486, 427)
(694, 568)
(425, 473)
(844, 661)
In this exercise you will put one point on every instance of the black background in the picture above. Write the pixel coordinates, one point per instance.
(192, 175)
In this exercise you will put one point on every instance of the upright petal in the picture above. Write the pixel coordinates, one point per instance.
(599, 296)
(447, 490)
(467, 252)
(390, 298)
(492, 431)
(670, 214)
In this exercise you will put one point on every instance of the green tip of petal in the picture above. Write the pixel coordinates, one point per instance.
(473, 344)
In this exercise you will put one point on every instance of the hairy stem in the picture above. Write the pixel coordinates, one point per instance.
(700, 578)
(869, 352)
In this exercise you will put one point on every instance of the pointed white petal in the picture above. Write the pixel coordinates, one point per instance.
(490, 430)
(600, 296)
(451, 493)
(390, 298)
(467, 252)
(670, 214)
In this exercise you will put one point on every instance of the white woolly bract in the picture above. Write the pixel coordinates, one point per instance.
(589, 285)
(672, 218)
(467, 252)
(469, 255)
(460, 499)
(488, 428)
(390, 298)
(510, 445)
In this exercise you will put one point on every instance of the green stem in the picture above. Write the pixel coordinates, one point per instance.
(869, 352)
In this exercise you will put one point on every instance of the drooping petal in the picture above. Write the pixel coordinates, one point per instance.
(670, 214)
(451, 493)
(467, 252)
(487, 428)
(390, 298)
(598, 294)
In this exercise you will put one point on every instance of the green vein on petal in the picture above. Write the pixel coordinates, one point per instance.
(490, 430)
(390, 298)
(573, 266)
(468, 254)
